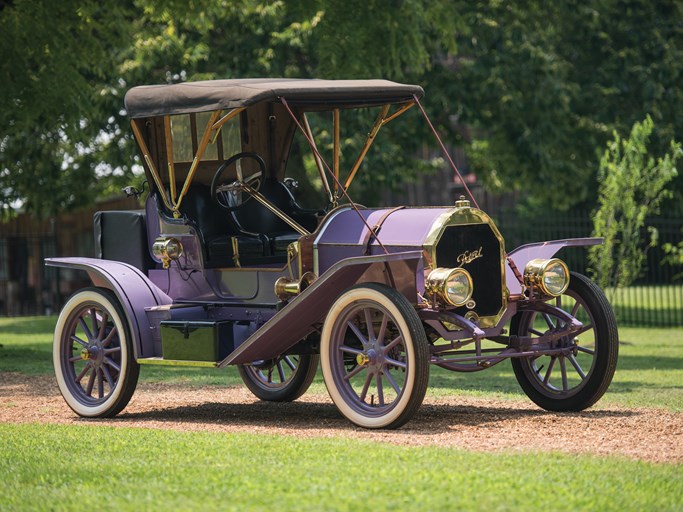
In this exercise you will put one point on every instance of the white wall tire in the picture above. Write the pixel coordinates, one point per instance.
(376, 377)
(93, 356)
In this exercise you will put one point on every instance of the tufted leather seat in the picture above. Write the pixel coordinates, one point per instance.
(217, 230)
(256, 218)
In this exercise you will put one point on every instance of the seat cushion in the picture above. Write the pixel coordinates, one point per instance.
(279, 243)
(220, 253)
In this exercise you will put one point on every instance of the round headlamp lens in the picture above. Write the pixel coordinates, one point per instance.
(452, 285)
(555, 277)
(458, 288)
(551, 277)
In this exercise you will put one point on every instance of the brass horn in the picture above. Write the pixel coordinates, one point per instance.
(285, 287)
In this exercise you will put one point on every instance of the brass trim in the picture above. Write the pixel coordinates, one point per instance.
(316, 157)
(285, 287)
(167, 249)
(235, 251)
(368, 142)
(197, 157)
(436, 282)
(227, 117)
(168, 133)
(336, 149)
(464, 216)
(150, 164)
(285, 218)
(400, 111)
(535, 270)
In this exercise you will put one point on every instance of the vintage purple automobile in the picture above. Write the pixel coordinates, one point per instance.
(233, 263)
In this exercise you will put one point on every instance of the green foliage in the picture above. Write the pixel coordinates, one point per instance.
(632, 185)
(56, 106)
(544, 84)
(531, 89)
(674, 256)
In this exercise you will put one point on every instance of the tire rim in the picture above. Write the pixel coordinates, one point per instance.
(274, 373)
(562, 375)
(368, 358)
(91, 354)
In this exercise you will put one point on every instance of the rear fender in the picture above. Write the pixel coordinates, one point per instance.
(133, 289)
(544, 250)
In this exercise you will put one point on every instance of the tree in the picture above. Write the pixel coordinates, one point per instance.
(541, 86)
(544, 84)
(55, 102)
(632, 185)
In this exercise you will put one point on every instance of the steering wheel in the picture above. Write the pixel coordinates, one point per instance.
(234, 195)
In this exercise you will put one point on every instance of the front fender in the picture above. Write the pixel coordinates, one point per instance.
(133, 289)
(544, 250)
(300, 316)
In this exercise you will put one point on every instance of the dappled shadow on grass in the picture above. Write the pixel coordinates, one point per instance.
(27, 325)
(431, 419)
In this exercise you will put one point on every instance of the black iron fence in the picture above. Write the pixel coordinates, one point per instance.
(654, 300)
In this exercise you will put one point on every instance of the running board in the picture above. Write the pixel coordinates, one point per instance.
(160, 361)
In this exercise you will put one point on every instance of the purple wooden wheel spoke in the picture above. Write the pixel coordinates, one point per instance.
(100, 383)
(358, 334)
(270, 375)
(575, 309)
(534, 331)
(289, 362)
(366, 386)
(577, 366)
(583, 329)
(103, 325)
(563, 369)
(354, 372)
(79, 341)
(380, 389)
(383, 327)
(280, 371)
(107, 376)
(93, 319)
(114, 350)
(350, 350)
(91, 382)
(392, 344)
(394, 362)
(369, 325)
(112, 363)
(85, 328)
(546, 379)
(106, 341)
(548, 320)
(75, 358)
(82, 374)
(392, 381)
(585, 350)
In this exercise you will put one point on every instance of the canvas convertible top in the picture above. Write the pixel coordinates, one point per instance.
(203, 96)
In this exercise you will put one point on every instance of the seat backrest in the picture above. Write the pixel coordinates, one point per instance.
(113, 226)
(210, 218)
(255, 217)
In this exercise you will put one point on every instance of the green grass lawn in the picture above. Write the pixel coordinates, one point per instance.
(54, 467)
(50, 467)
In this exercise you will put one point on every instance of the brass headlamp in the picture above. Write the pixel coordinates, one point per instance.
(452, 285)
(551, 276)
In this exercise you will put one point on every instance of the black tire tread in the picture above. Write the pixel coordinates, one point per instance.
(607, 352)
